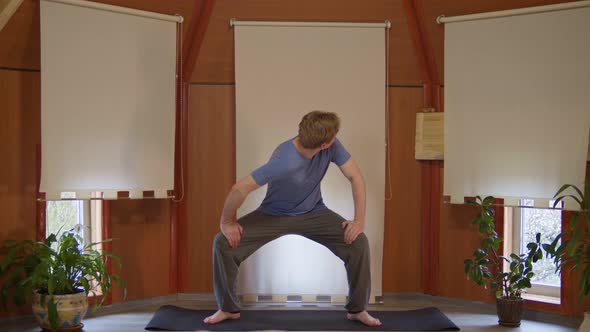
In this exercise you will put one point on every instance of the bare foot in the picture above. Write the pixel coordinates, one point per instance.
(220, 316)
(364, 318)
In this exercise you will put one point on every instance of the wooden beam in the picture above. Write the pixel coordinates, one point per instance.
(194, 37)
(430, 172)
(41, 204)
(7, 9)
(179, 218)
(107, 246)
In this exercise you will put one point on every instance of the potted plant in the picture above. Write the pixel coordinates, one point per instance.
(572, 246)
(57, 274)
(486, 266)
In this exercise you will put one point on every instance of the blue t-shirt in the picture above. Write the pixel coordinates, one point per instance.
(294, 181)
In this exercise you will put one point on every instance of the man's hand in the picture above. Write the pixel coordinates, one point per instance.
(352, 230)
(232, 232)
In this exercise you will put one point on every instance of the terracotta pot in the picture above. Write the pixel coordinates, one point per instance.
(585, 327)
(509, 311)
(71, 309)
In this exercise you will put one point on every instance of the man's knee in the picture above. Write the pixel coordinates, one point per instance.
(220, 242)
(361, 244)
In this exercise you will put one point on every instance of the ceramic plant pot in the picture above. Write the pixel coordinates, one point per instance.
(71, 309)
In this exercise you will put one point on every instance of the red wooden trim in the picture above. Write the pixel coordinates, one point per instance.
(41, 217)
(430, 171)
(568, 291)
(94, 299)
(107, 246)
(182, 214)
(41, 206)
(543, 306)
(173, 269)
(499, 221)
(435, 201)
(174, 245)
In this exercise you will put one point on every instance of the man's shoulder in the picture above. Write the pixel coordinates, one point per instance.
(284, 148)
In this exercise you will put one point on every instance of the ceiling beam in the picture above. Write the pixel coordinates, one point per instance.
(194, 37)
(430, 172)
(7, 9)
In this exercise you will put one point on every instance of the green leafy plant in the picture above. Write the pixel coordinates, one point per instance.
(56, 266)
(572, 246)
(485, 268)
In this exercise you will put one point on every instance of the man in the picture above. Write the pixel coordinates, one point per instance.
(294, 205)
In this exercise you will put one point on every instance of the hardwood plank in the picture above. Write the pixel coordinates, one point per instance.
(402, 232)
(141, 238)
(211, 164)
(20, 133)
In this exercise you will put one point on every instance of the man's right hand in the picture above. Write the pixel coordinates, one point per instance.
(232, 232)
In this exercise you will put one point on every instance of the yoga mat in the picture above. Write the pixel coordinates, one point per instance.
(172, 318)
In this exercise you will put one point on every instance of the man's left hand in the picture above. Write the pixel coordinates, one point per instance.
(351, 230)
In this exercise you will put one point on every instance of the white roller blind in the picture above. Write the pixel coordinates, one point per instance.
(517, 116)
(107, 101)
(283, 72)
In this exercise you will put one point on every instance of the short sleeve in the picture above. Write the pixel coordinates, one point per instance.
(339, 155)
(274, 168)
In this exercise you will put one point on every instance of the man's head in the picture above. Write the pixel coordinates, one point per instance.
(318, 129)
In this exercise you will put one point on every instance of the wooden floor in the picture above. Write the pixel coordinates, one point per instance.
(469, 316)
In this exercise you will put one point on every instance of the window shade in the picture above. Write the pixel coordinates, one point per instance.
(107, 101)
(517, 116)
(283, 72)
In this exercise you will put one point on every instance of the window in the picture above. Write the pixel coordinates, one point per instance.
(521, 227)
(66, 214)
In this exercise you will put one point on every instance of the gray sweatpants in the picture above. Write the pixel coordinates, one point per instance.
(324, 227)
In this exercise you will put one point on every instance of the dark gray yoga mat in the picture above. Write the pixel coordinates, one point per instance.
(172, 318)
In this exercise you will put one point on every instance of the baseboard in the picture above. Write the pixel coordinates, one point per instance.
(209, 297)
(278, 298)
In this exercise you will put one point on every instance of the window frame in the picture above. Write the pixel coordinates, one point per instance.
(514, 224)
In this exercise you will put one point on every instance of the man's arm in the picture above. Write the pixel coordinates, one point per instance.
(238, 193)
(357, 226)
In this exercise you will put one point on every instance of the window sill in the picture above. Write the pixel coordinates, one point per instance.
(542, 298)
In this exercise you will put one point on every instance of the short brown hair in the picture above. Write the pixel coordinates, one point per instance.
(318, 127)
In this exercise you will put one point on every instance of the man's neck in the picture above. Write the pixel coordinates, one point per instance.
(307, 153)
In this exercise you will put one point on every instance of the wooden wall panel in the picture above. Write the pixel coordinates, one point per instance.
(211, 164)
(216, 60)
(141, 237)
(402, 233)
(457, 242)
(434, 8)
(20, 120)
